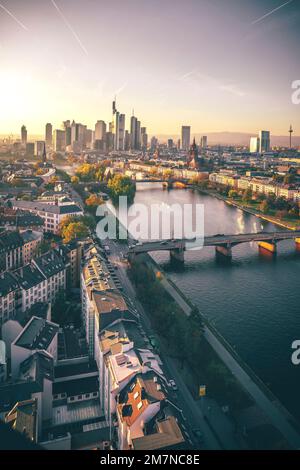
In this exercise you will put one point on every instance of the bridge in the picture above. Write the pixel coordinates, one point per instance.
(223, 243)
(168, 182)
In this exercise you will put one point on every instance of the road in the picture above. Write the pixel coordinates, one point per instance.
(272, 409)
(193, 416)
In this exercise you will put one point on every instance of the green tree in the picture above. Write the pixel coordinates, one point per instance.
(264, 207)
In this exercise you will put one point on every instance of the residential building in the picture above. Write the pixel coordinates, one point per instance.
(52, 215)
(37, 335)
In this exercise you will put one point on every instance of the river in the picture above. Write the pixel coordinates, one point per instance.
(253, 300)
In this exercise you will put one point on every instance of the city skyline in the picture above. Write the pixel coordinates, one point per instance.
(235, 76)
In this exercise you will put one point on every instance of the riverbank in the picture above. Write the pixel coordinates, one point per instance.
(280, 418)
(290, 225)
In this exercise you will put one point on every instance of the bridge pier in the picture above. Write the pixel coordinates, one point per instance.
(271, 247)
(177, 255)
(224, 250)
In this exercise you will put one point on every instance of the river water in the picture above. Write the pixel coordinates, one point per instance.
(253, 300)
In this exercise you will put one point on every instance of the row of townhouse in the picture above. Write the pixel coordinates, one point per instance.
(52, 214)
(133, 390)
(180, 173)
(257, 185)
(38, 281)
(18, 247)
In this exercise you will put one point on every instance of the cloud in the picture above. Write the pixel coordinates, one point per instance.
(271, 12)
(14, 17)
(83, 48)
(198, 77)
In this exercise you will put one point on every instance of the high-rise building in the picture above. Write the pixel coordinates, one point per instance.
(203, 143)
(264, 144)
(144, 138)
(48, 134)
(185, 137)
(24, 136)
(59, 140)
(119, 130)
(170, 144)
(100, 130)
(39, 148)
(73, 132)
(153, 143)
(135, 133)
(127, 141)
(254, 144)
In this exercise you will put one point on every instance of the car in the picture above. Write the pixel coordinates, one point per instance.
(219, 235)
(198, 434)
(173, 385)
(164, 242)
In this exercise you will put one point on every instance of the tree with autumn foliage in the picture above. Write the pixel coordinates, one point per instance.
(93, 200)
(72, 228)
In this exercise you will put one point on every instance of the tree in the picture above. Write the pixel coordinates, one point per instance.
(120, 185)
(73, 231)
(75, 180)
(71, 228)
(94, 200)
(168, 174)
(264, 207)
(232, 193)
(247, 196)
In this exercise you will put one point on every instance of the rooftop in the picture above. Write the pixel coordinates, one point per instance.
(37, 334)
(23, 418)
(141, 391)
(168, 434)
(44, 207)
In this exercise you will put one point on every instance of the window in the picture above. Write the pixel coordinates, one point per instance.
(140, 404)
(136, 395)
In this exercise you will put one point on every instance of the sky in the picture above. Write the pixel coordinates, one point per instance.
(217, 65)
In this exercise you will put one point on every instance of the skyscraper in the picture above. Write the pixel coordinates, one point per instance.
(254, 145)
(100, 130)
(264, 144)
(48, 134)
(119, 131)
(144, 138)
(59, 140)
(185, 137)
(135, 133)
(203, 143)
(39, 148)
(24, 135)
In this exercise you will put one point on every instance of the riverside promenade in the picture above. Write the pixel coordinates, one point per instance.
(263, 397)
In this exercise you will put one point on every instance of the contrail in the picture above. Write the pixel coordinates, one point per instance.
(69, 27)
(271, 12)
(14, 18)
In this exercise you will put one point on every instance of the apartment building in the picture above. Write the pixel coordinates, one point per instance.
(38, 281)
(52, 214)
